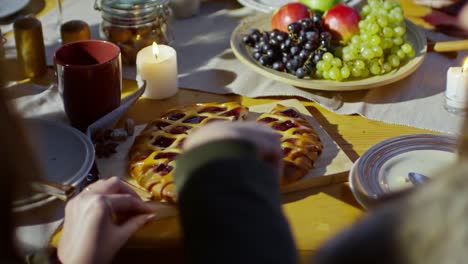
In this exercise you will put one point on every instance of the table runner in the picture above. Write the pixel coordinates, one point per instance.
(207, 63)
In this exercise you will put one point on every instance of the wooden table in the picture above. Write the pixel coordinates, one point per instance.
(315, 215)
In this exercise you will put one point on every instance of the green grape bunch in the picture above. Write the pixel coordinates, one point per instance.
(378, 48)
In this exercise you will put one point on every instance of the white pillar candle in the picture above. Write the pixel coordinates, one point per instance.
(157, 65)
(457, 88)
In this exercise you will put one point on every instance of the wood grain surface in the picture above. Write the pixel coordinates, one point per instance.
(315, 214)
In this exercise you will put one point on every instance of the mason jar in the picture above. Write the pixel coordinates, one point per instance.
(134, 24)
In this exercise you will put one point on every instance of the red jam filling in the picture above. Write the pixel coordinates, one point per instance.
(194, 119)
(163, 142)
(267, 120)
(286, 151)
(211, 120)
(179, 129)
(142, 155)
(166, 155)
(234, 112)
(291, 140)
(212, 109)
(174, 116)
(290, 113)
(160, 124)
(284, 126)
(163, 169)
(181, 143)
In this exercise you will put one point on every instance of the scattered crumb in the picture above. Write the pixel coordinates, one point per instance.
(106, 140)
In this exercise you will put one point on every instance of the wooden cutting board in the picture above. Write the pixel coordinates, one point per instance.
(164, 231)
(331, 162)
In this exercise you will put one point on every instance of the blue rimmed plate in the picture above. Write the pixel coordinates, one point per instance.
(384, 167)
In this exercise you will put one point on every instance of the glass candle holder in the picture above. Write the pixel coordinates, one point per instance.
(456, 91)
(135, 24)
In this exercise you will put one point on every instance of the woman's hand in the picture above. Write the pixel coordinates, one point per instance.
(463, 17)
(99, 221)
(265, 138)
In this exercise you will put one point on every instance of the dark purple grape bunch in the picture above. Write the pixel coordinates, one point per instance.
(296, 52)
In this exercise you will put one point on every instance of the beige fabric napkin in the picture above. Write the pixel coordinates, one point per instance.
(206, 63)
(32, 100)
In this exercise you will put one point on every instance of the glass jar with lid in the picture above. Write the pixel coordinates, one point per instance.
(134, 24)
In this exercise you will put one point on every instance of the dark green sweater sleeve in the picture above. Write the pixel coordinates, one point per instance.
(230, 206)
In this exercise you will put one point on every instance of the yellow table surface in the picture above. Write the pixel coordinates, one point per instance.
(315, 215)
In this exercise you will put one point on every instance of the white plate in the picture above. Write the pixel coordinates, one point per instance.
(384, 167)
(270, 5)
(351, 181)
(65, 154)
(9, 7)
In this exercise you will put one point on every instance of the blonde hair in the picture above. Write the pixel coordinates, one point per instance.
(434, 222)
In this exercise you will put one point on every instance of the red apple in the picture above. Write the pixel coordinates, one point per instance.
(288, 14)
(342, 21)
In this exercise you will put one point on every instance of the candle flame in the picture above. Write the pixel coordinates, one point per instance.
(155, 50)
(465, 65)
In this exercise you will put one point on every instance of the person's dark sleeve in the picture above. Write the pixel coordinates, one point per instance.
(230, 206)
(372, 240)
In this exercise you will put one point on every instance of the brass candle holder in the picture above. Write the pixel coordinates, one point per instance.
(30, 46)
(74, 30)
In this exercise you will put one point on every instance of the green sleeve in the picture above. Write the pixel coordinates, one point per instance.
(44, 256)
(230, 206)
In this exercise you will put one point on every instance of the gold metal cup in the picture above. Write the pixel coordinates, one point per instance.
(74, 30)
(30, 46)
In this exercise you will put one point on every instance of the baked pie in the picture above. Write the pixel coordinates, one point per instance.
(300, 143)
(152, 156)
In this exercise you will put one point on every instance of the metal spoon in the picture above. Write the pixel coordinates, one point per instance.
(417, 178)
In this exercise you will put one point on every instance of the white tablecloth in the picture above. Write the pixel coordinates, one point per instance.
(206, 63)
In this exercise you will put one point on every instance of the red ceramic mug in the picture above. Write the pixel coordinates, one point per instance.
(89, 74)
